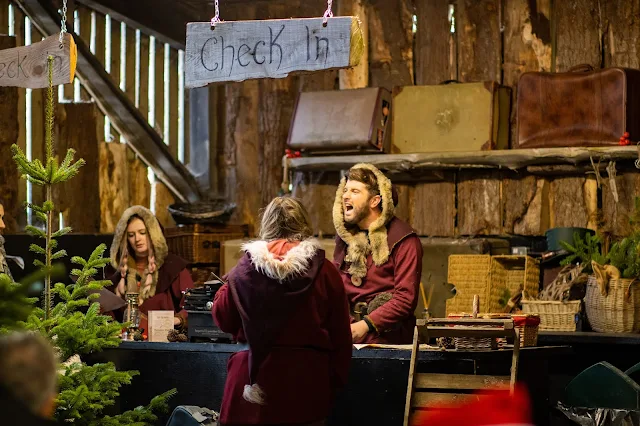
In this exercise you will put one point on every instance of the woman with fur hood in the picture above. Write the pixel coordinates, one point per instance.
(144, 266)
(287, 302)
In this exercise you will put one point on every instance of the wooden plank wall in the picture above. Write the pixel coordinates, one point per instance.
(491, 40)
(128, 64)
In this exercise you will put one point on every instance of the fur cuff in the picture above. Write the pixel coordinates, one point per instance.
(254, 394)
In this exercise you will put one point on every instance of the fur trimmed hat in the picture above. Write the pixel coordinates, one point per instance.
(358, 244)
(153, 229)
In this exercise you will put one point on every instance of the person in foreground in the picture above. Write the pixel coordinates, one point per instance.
(145, 267)
(379, 257)
(28, 375)
(288, 303)
(4, 267)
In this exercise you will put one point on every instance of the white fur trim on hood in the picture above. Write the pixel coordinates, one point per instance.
(294, 263)
(358, 245)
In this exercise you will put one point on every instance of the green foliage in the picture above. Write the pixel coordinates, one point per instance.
(15, 306)
(583, 251)
(624, 255)
(74, 325)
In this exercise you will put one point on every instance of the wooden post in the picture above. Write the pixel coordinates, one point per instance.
(527, 45)
(526, 205)
(578, 29)
(357, 76)
(78, 199)
(139, 185)
(113, 183)
(616, 214)
(479, 40)
(116, 36)
(391, 43)
(241, 150)
(573, 202)
(436, 59)
(158, 69)
(9, 176)
(622, 34)
(479, 203)
(99, 53)
(84, 14)
(130, 64)
(434, 208)
(275, 112)
(19, 29)
(143, 105)
(163, 200)
(173, 102)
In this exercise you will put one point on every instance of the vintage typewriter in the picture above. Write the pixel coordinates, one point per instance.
(198, 303)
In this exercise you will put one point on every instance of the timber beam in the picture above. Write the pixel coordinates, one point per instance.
(126, 118)
(512, 159)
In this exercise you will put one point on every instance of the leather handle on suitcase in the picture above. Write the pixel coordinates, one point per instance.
(582, 68)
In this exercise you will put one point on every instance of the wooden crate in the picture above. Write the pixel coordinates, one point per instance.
(201, 243)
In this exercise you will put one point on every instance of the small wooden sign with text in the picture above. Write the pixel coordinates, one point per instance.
(27, 66)
(242, 50)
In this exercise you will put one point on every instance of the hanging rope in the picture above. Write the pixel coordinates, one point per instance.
(327, 13)
(63, 22)
(216, 18)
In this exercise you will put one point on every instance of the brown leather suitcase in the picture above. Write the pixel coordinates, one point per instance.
(341, 121)
(581, 107)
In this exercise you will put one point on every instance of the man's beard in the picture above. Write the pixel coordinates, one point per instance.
(359, 215)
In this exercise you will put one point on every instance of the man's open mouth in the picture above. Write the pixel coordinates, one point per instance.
(348, 207)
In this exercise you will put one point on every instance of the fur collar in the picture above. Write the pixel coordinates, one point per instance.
(295, 262)
(153, 228)
(358, 245)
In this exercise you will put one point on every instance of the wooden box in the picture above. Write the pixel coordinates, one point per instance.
(341, 121)
(201, 243)
(450, 117)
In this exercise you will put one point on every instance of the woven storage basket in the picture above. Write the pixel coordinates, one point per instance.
(469, 273)
(201, 243)
(473, 343)
(618, 310)
(554, 315)
(528, 326)
(510, 272)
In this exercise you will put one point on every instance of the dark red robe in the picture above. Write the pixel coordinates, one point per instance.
(400, 275)
(309, 357)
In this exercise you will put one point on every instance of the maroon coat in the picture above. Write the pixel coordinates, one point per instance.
(400, 275)
(309, 356)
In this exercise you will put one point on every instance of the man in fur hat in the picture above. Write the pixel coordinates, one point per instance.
(379, 257)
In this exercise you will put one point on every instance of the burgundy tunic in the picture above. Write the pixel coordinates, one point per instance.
(173, 280)
(400, 275)
(309, 359)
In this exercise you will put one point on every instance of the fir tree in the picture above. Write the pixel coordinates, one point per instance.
(74, 325)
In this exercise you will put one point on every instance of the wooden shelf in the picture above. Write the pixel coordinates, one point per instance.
(543, 160)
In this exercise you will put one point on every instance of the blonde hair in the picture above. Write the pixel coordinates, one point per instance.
(285, 218)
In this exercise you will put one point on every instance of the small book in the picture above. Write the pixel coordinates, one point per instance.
(160, 323)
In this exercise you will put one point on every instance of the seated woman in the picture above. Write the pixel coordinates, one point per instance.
(287, 301)
(139, 251)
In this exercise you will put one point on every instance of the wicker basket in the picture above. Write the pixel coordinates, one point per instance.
(470, 275)
(201, 243)
(473, 343)
(616, 311)
(507, 274)
(554, 315)
(528, 326)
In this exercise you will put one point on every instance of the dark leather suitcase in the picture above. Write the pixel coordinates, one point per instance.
(341, 121)
(579, 108)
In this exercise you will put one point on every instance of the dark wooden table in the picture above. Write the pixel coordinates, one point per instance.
(377, 385)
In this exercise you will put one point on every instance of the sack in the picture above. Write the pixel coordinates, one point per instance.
(579, 108)
(191, 415)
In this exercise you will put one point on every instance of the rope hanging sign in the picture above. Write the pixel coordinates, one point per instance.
(26, 66)
(222, 51)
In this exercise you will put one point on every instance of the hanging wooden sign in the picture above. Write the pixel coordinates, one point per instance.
(241, 50)
(26, 66)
